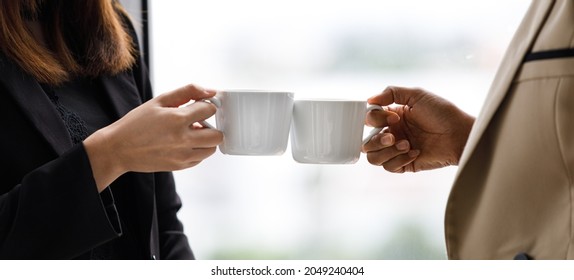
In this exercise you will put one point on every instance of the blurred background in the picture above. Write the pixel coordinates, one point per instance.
(241, 207)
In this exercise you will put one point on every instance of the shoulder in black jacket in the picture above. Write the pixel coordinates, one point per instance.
(49, 204)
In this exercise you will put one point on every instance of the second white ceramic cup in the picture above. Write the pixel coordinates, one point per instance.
(329, 131)
(253, 122)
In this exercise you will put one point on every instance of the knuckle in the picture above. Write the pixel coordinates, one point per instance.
(400, 170)
(190, 87)
(393, 168)
(388, 168)
(192, 139)
(372, 159)
(176, 116)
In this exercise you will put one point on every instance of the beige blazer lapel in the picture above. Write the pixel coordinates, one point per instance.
(519, 46)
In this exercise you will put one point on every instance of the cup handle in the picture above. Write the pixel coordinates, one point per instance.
(375, 130)
(215, 101)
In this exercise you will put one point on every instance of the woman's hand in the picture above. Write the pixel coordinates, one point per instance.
(424, 132)
(157, 136)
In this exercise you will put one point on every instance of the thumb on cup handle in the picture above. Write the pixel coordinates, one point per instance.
(375, 130)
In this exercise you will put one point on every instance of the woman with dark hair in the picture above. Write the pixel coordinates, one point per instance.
(86, 152)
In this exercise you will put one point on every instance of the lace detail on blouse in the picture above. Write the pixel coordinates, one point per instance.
(76, 126)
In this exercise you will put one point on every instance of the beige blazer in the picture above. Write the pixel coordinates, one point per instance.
(513, 195)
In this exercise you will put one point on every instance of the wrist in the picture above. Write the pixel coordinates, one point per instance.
(106, 167)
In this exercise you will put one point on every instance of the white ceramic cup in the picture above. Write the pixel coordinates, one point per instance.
(253, 122)
(329, 131)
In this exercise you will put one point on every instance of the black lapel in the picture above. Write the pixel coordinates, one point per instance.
(35, 104)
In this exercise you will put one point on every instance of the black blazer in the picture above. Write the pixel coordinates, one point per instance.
(49, 204)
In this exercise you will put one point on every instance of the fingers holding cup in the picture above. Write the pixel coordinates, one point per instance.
(381, 118)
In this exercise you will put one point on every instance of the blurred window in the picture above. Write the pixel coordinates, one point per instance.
(273, 208)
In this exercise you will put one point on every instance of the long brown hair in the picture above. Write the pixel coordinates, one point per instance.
(84, 38)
